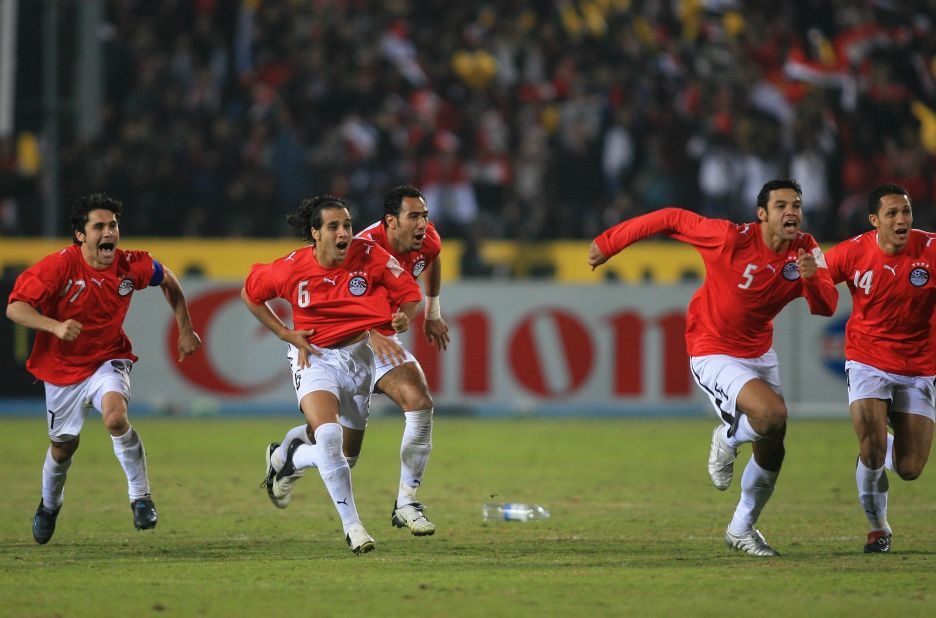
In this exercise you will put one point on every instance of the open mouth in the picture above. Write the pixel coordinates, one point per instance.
(419, 237)
(341, 245)
(901, 233)
(790, 225)
(106, 248)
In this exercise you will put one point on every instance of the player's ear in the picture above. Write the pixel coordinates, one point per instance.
(761, 214)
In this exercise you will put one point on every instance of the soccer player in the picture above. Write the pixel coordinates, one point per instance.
(77, 300)
(407, 234)
(889, 362)
(341, 291)
(752, 271)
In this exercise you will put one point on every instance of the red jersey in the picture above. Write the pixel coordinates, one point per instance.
(339, 302)
(63, 286)
(413, 262)
(746, 283)
(893, 299)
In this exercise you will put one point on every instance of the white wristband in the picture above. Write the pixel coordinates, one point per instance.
(433, 308)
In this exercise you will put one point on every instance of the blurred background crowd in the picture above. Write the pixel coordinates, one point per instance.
(519, 119)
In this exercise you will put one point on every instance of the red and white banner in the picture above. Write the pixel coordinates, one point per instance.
(516, 347)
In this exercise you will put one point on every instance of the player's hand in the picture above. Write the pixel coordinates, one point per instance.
(386, 349)
(807, 264)
(67, 330)
(189, 342)
(399, 322)
(437, 333)
(300, 339)
(595, 257)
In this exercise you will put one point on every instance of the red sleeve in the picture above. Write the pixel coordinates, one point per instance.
(837, 260)
(401, 286)
(141, 265)
(435, 242)
(261, 283)
(39, 283)
(819, 290)
(677, 223)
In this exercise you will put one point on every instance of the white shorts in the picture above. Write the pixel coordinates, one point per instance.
(383, 367)
(68, 406)
(907, 394)
(722, 377)
(347, 373)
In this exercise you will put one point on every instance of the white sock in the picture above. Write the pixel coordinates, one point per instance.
(53, 481)
(872, 495)
(889, 454)
(757, 485)
(336, 474)
(414, 453)
(305, 456)
(742, 435)
(278, 457)
(132, 457)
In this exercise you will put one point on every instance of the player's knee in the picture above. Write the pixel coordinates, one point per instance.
(773, 423)
(910, 469)
(116, 424)
(416, 398)
(63, 451)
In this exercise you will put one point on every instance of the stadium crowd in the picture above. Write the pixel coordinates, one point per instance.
(518, 119)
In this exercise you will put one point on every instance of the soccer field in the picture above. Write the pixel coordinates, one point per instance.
(636, 528)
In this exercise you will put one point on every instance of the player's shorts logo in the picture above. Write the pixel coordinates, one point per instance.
(125, 287)
(791, 271)
(357, 286)
(919, 277)
(418, 267)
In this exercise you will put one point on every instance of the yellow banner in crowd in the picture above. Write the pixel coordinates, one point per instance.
(563, 261)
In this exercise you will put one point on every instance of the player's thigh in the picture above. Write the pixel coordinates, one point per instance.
(109, 392)
(869, 420)
(761, 403)
(319, 407)
(913, 439)
(406, 385)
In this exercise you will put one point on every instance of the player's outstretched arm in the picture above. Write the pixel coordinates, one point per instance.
(818, 287)
(298, 338)
(26, 315)
(189, 341)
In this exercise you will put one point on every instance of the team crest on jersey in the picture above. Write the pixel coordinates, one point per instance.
(357, 286)
(418, 267)
(919, 275)
(791, 271)
(125, 287)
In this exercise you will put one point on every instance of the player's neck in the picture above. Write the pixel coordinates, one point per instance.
(396, 244)
(777, 244)
(325, 260)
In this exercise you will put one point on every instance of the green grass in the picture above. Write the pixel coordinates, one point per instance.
(635, 528)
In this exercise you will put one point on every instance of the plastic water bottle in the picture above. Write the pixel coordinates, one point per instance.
(513, 511)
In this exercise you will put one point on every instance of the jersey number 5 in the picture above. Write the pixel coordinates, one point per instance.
(748, 276)
(863, 281)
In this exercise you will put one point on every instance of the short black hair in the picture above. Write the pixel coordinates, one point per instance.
(393, 200)
(874, 198)
(82, 206)
(764, 196)
(308, 216)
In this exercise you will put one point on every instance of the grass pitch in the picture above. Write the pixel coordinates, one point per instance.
(636, 528)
